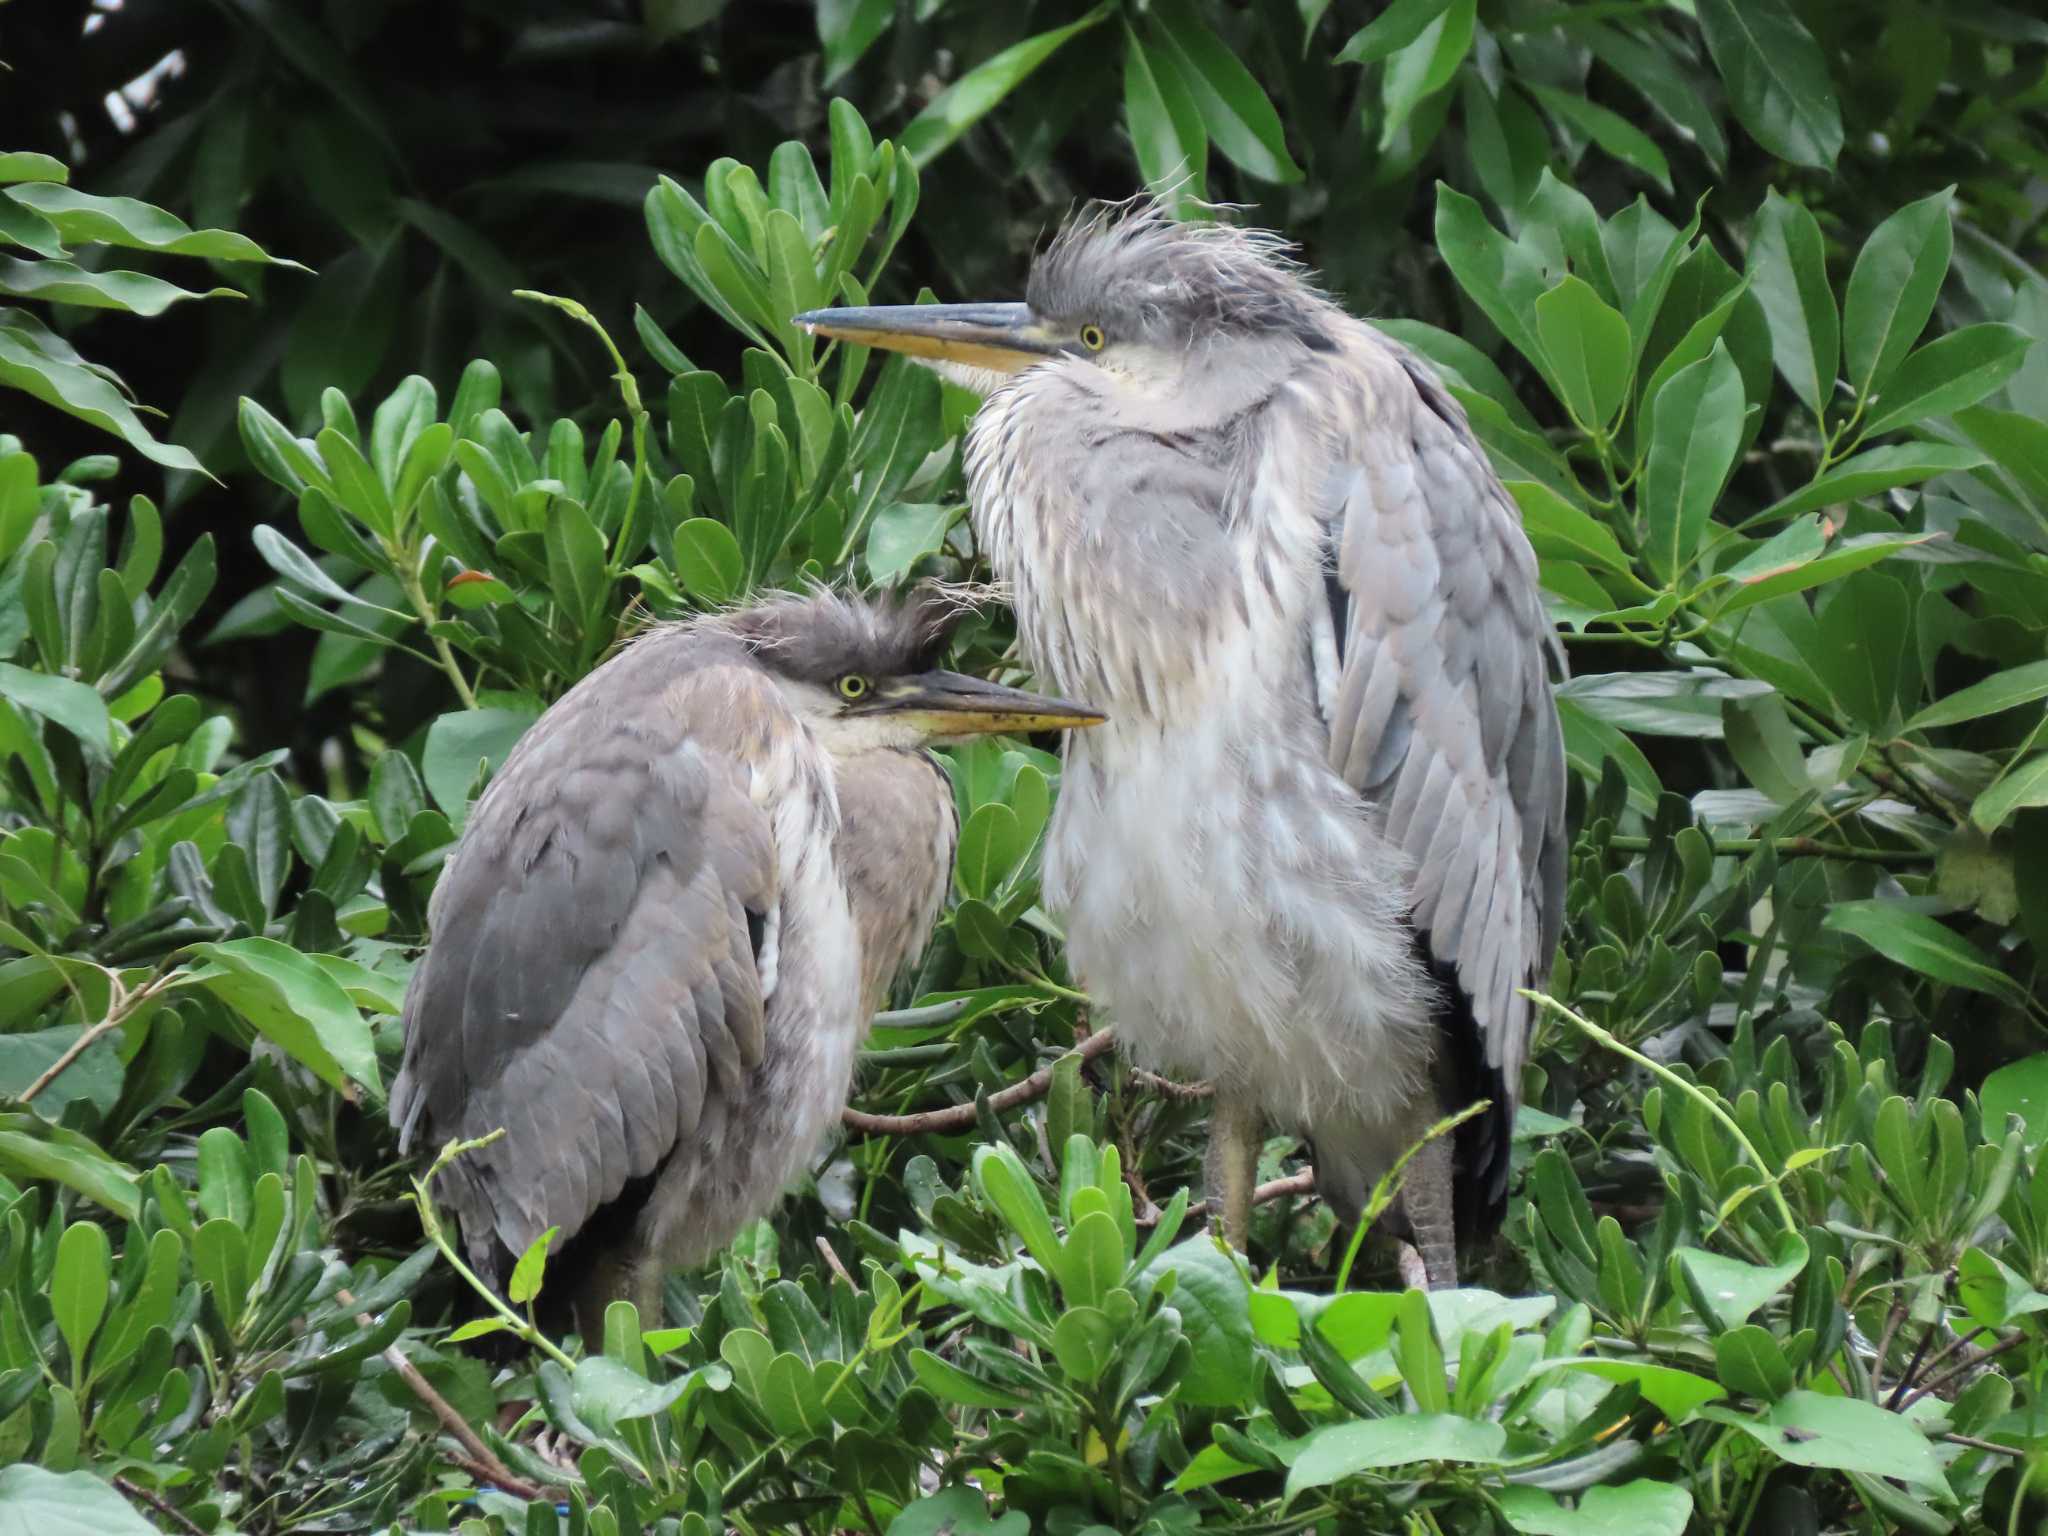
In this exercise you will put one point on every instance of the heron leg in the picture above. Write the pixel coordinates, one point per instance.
(1426, 1201)
(1232, 1167)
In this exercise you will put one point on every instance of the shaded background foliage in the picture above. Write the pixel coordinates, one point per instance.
(1676, 261)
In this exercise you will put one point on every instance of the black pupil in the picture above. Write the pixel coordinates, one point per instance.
(853, 687)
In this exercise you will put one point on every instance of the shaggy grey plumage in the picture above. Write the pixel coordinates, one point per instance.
(1321, 843)
(670, 916)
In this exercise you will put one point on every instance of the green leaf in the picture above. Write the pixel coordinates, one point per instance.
(27, 165)
(1092, 1260)
(1897, 277)
(1777, 78)
(1424, 67)
(1726, 1291)
(2018, 1088)
(1559, 530)
(1874, 469)
(1789, 276)
(531, 1271)
(1392, 30)
(1800, 557)
(1640, 1508)
(64, 282)
(78, 1289)
(1503, 278)
(1009, 1187)
(948, 1382)
(1338, 1451)
(847, 29)
(1587, 344)
(1084, 1340)
(1676, 1394)
(2022, 787)
(290, 1000)
(1748, 1360)
(1240, 119)
(83, 219)
(1950, 373)
(1164, 120)
(1921, 943)
(35, 359)
(37, 1502)
(904, 533)
(77, 708)
(458, 741)
(1696, 425)
(1610, 130)
(970, 98)
(1808, 1429)
(709, 561)
(2000, 691)
(32, 1150)
(992, 844)
(1209, 1292)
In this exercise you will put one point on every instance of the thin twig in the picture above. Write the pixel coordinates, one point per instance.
(72, 1052)
(833, 1263)
(1912, 1366)
(169, 1511)
(1981, 1445)
(1964, 1368)
(121, 1006)
(961, 1117)
(1893, 1320)
(1960, 1342)
(1796, 848)
(1302, 1183)
(1167, 1088)
(484, 1458)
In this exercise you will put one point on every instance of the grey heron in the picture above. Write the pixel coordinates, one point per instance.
(1320, 845)
(668, 920)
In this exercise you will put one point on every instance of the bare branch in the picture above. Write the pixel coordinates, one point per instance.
(481, 1459)
(961, 1117)
(1302, 1183)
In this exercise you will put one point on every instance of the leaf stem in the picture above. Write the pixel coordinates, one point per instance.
(1691, 1090)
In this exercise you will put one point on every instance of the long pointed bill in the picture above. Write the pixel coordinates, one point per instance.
(947, 705)
(1002, 338)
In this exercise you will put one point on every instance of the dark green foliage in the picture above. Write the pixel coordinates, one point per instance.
(1744, 298)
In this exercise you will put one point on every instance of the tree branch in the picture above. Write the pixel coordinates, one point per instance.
(481, 1459)
(961, 1117)
(1302, 1183)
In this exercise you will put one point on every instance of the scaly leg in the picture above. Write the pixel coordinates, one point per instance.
(1232, 1168)
(1426, 1201)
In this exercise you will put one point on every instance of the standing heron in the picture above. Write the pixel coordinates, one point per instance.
(670, 917)
(1321, 843)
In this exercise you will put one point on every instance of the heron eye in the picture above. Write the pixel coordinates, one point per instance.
(1092, 338)
(853, 686)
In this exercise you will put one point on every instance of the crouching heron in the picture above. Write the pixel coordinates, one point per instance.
(658, 944)
(1320, 844)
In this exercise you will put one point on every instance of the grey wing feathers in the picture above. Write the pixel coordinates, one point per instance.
(1443, 714)
(592, 980)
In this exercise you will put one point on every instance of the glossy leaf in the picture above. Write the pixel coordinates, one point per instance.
(1777, 78)
(1897, 278)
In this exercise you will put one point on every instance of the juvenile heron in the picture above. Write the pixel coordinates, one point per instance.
(1321, 842)
(669, 919)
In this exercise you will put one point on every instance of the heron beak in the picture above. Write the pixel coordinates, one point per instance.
(1000, 338)
(951, 705)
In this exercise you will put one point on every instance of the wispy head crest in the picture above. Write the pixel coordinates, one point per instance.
(1134, 263)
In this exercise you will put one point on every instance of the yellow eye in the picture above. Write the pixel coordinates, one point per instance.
(1092, 338)
(853, 686)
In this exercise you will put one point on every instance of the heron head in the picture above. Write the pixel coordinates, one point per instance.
(1162, 305)
(864, 672)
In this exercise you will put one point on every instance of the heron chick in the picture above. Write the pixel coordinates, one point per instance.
(1320, 844)
(657, 946)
